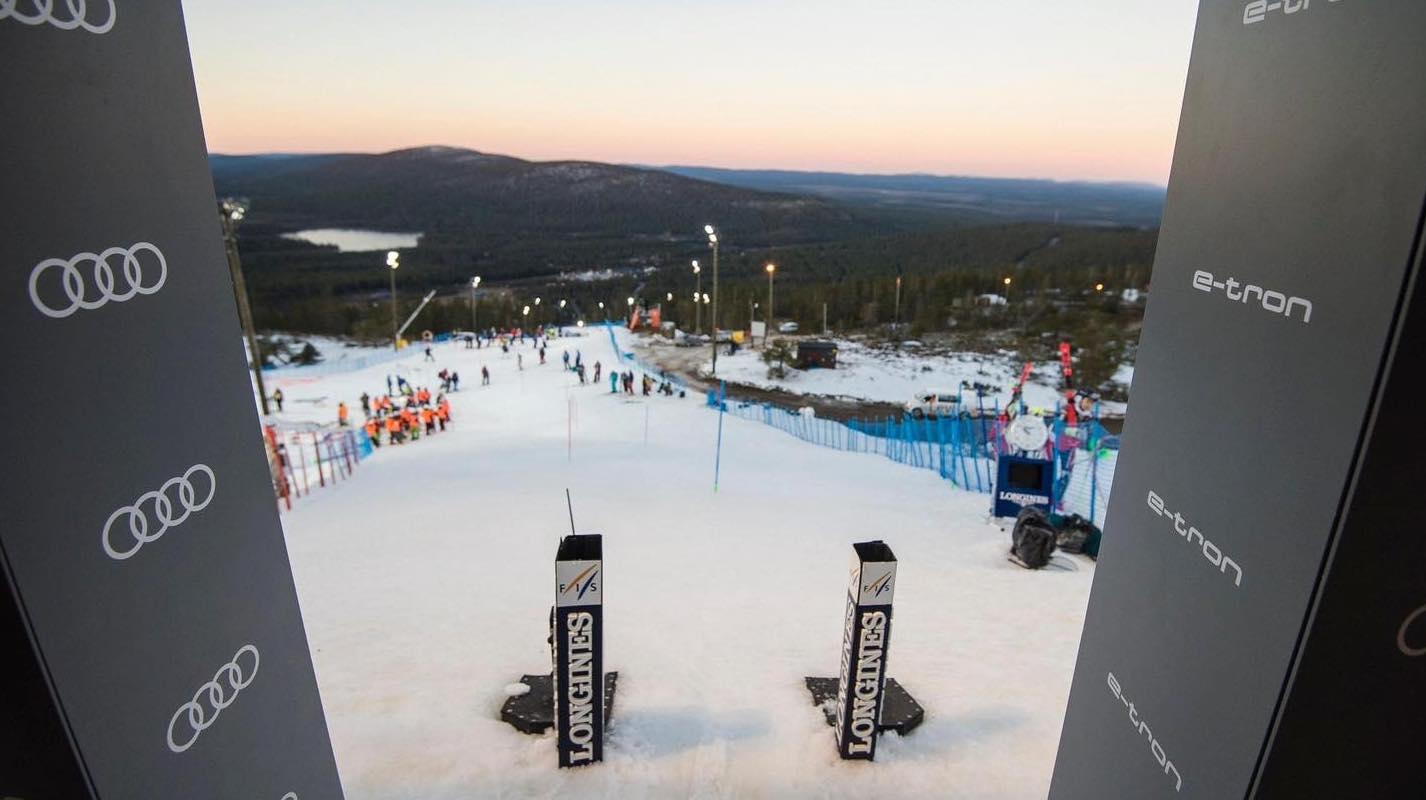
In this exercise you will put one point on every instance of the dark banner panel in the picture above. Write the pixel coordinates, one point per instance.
(1289, 237)
(141, 541)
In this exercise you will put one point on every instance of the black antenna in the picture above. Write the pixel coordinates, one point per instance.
(570, 504)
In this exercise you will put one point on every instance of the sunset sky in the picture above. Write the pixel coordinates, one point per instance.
(1019, 88)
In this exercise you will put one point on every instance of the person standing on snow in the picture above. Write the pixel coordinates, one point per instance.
(484, 375)
(596, 372)
(366, 404)
(277, 398)
(342, 420)
(566, 359)
(542, 354)
(613, 383)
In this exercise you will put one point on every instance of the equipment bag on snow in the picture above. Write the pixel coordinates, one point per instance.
(1033, 539)
(1077, 535)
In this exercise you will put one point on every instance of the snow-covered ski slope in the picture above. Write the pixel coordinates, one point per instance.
(426, 580)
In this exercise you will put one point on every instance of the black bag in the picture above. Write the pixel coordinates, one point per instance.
(1077, 535)
(1033, 539)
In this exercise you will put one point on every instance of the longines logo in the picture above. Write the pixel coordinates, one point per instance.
(1271, 301)
(1403, 635)
(1024, 499)
(1258, 10)
(1211, 551)
(1143, 730)
(579, 685)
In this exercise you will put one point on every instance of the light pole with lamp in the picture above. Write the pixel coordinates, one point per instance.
(474, 284)
(393, 260)
(771, 271)
(697, 291)
(713, 243)
(231, 213)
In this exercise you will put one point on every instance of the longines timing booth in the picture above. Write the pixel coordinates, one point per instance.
(149, 627)
(1257, 624)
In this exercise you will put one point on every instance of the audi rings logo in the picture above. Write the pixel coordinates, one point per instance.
(72, 14)
(211, 698)
(159, 503)
(1401, 635)
(144, 271)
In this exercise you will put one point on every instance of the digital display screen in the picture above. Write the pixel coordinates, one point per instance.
(1026, 476)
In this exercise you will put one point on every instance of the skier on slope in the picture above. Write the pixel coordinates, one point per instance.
(277, 398)
(613, 383)
(566, 359)
(596, 372)
(484, 375)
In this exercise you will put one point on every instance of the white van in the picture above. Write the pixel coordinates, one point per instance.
(934, 404)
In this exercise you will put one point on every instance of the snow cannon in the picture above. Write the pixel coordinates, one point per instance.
(577, 642)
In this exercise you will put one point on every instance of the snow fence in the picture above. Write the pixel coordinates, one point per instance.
(960, 449)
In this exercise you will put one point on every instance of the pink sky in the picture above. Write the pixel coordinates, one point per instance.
(1025, 89)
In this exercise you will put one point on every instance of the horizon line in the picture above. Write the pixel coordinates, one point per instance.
(670, 167)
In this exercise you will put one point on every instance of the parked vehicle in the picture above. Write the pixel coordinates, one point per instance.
(934, 404)
(787, 327)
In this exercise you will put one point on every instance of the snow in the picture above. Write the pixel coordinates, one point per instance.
(426, 580)
(896, 376)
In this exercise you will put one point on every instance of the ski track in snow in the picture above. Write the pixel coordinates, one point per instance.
(426, 580)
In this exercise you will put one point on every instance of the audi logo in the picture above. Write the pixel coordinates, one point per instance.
(144, 271)
(75, 14)
(160, 503)
(1406, 649)
(213, 695)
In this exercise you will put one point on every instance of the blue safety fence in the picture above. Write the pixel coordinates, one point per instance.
(629, 358)
(961, 449)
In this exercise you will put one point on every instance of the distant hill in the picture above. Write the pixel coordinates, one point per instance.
(463, 196)
(969, 198)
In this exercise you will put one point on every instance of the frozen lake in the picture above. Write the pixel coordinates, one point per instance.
(352, 240)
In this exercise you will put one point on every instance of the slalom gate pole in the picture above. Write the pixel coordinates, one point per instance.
(306, 486)
(321, 474)
(866, 642)
(718, 452)
(578, 644)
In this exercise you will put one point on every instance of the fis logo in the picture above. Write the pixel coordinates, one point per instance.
(1258, 10)
(581, 583)
(879, 586)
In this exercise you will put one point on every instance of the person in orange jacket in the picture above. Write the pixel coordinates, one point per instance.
(443, 413)
(342, 420)
(393, 429)
(428, 418)
(373, 432)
